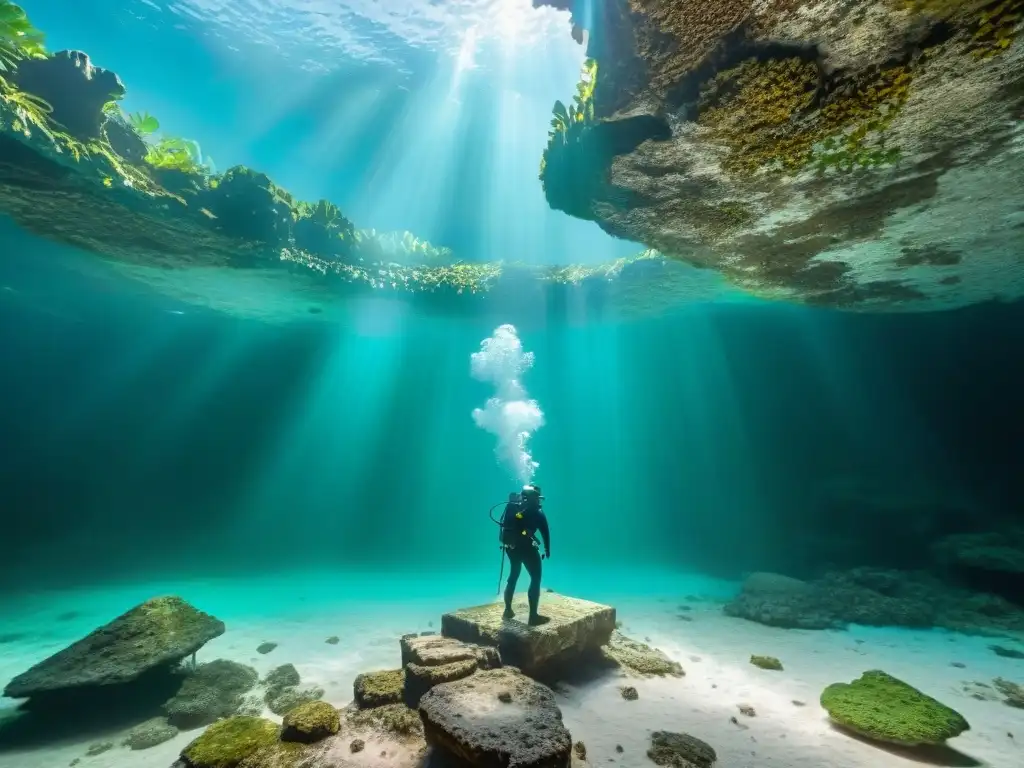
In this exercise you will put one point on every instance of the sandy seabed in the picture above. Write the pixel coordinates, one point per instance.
(681, 614)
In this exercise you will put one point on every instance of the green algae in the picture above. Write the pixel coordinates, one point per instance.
(226, 743)
(881, 707)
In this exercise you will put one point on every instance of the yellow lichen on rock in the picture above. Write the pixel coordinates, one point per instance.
(766, 114)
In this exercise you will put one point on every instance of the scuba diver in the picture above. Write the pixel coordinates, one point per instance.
(522, 519)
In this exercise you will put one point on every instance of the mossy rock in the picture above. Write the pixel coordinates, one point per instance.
(878, 706)
(419, 679)
(310, 722)
(283, 676)
(375, 689)
(284, 700)
(640, 658)
(395, 720)
(283, 754)
(159, 632)
(149, 734)
(766, 662)
(227, 743)
(213, 691)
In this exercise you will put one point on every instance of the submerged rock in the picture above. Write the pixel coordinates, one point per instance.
(159, 632)
(150, 733)
(419, 679)
(781, 601)
(881, 707)
(1013, 692)
(227, 743)
(576, 628)
(463, 718)
(75, 89)
(282, 677)
(817, 152)
(214, 690)
(310, 722)
(375, 689)
(870, 596)
(680, 750)
(430, 650)
(766, 662)
(429, 660)
(281, 701)
(640, 658)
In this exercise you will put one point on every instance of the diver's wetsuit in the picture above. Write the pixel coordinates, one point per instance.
(523, 551)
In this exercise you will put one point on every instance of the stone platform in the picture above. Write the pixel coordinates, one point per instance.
(576, 628)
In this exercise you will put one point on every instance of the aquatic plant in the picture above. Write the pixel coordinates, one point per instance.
(19, 39)
(322, 229)
(568, 124)
(402, 247)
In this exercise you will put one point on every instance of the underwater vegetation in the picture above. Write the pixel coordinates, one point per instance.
(566, 170)
(79, 169)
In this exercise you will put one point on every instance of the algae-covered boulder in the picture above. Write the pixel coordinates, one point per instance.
(282, 677)
(75, 89)
(281, 701)
(214, 690)
(766, 662)
(396, 720)
(576, 629)
(150, 733)
(375, 689)
(227, 743)
(159, 632)
(680, 750)
(310, 722)
(640, 658)
(878, 706)
(420, 679)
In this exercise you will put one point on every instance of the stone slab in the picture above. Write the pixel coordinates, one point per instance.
(435, 650)
(497, 718)
(159, 632)
(576, 627)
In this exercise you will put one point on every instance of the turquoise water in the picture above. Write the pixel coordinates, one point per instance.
(304, 459)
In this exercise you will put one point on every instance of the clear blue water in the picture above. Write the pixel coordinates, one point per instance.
(289, 459)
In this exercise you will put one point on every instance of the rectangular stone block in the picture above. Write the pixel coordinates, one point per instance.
(576, 628)
(435, 650)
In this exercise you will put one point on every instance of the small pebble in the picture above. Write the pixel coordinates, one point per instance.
(98, 749)
(686, 618)
(957, 664)
(333, 640)
(629, 693)
(266, 647)
(619, 749)
(746, 709)
(580, 749)
(505, 697)
(798, 703)
(357, 745)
